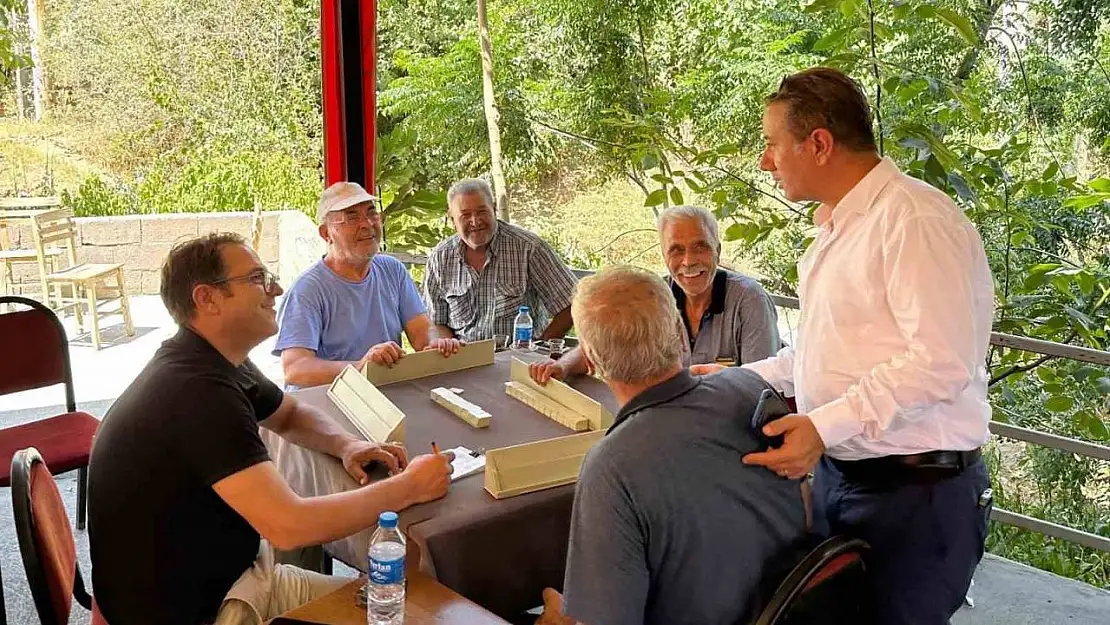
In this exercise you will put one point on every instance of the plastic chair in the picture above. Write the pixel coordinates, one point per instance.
(37, 355)
(46, 541)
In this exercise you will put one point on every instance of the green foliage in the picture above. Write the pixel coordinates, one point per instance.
(215, 106)
(96, 198)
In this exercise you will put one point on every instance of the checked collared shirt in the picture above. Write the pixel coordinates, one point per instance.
(521, 270)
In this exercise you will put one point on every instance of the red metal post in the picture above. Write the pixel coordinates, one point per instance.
(335, 143)
(369, 15)
(341, 110)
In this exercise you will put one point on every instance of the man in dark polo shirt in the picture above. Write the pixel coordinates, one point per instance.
(181, 486)
(668, 526)
(724, 316)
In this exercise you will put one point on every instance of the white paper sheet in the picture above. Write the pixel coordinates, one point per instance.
(464, 464)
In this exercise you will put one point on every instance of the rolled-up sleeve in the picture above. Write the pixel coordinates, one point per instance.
(550, 278)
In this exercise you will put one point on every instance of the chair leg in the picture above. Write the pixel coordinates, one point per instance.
(94, 319)
(124, 306)
(82, 496)
(77, 307)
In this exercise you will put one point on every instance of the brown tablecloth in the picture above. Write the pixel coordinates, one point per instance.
(499, 554)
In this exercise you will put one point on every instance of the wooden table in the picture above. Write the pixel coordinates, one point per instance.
(498, 553)
(427, 602)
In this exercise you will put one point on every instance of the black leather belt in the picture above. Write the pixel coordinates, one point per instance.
(927, 467)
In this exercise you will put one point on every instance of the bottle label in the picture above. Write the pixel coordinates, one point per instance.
(387, 571)
(523, 334)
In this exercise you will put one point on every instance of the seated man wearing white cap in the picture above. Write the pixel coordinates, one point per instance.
(351, 306)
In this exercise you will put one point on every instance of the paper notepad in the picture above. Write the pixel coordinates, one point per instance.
(464, 464)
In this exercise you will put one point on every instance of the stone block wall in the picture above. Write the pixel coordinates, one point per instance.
(141, 243)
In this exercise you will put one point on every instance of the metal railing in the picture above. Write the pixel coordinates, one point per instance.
(1005, 430)
(1043, 439)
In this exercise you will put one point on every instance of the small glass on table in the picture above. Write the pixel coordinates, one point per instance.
(556, 347)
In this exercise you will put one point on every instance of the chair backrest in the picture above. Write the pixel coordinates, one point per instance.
(45, 539)
(22, 203)
(256, 228)
(55, 227)
(36, 350)
(830, 585)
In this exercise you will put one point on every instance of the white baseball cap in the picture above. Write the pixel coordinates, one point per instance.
(341, 196)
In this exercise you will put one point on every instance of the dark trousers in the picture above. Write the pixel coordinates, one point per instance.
(926, 539)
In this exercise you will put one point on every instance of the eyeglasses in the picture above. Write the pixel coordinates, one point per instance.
(264, 278)
(354, 215)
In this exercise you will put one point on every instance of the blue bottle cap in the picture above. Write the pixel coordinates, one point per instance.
(523, 309)
(387, 520)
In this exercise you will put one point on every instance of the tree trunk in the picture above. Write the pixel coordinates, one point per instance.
(492, 115)
(20, 101)
(38, 72)
(971, 59)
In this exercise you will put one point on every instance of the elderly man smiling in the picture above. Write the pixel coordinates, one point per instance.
(350, 307)
(725, 316)
(478, 279)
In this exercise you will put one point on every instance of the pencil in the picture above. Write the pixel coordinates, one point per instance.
(435, 448)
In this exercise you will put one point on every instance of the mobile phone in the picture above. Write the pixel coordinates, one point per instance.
(770, 406)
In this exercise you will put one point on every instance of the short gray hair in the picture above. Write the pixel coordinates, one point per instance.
(469, 186)
(626, 318)
(675, 213)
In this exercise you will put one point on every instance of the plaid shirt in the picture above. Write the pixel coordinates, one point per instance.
(521, 270)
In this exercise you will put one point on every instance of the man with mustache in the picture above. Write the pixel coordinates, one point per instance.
(726, 316)
(478, 279)
(181, 487)
(350, 307)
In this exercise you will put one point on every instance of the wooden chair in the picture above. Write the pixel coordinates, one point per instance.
(13, 211)
(46, 541)
(82, 279)
(256, 228)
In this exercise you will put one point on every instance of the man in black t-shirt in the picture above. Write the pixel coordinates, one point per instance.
(181, 486)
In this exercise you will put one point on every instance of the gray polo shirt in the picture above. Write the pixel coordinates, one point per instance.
(669, 526)
(741, 325)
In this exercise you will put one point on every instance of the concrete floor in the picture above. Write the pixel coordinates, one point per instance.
(1005, 592)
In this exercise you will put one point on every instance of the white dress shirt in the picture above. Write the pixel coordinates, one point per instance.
(897, 301)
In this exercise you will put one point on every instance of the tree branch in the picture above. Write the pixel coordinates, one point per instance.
(878, 78)
(971, 59)
(1015, 369)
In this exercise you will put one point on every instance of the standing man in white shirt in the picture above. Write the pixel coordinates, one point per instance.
(888, 369)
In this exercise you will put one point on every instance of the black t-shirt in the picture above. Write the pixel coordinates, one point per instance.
(165, 547)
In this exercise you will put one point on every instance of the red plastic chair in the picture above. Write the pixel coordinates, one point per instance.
(829, 586)
(46, 541)
(36, 354)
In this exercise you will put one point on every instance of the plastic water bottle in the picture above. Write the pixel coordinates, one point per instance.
(522, 329)
(385, 591)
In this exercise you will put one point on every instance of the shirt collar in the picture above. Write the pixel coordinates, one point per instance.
(861, 197)
(661, 393)
(717, 297)
(194, 342)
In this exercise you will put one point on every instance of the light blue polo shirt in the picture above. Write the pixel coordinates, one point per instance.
(340, 319)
